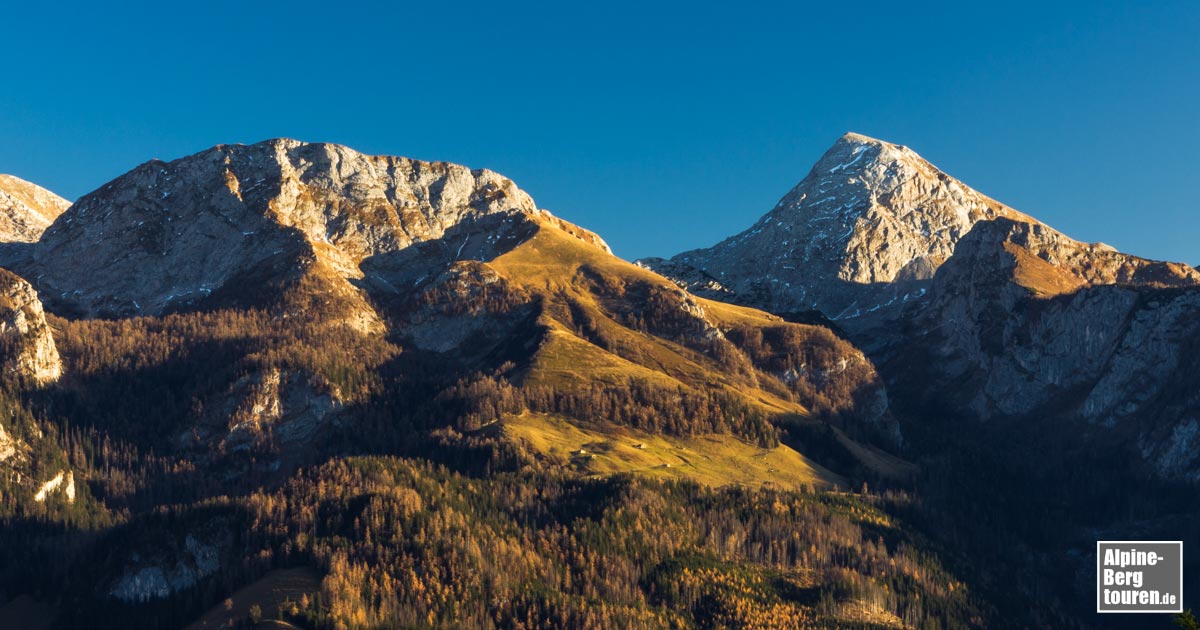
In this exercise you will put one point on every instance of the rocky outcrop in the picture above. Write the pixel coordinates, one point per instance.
(26, 346)
(272, 409)
(169, 234)
(26, 210)
(174, 571)
(8, 445)
(587, 236)
(1043, 261)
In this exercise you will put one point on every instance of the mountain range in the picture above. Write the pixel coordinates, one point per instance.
(270, 357)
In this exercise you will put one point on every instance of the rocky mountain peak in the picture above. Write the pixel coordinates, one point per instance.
(858, 154)
(26, 210)
(869, 213)
(169, 233)
(880, 211)
(866, 230)
(362, 202)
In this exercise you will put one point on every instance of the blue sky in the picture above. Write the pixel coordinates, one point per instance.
(665, 126)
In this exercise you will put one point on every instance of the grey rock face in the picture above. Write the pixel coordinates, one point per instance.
(26, 345)
(26, 210)
(168, 234)
(272, 406)
(176, 571)
(1043, 327)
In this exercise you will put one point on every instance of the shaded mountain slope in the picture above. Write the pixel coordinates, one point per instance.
(1020, 325)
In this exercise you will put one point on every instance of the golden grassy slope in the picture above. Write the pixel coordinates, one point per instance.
(713, 460)
(556, 263)
(1039, 276)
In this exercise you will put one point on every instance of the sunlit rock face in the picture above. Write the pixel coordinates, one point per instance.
(26, 210)
(870, 214)
(26, 346)
(169, 234)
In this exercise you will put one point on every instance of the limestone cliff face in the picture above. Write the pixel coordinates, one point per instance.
(26, 347)
(26, 210)
(63, 482)
(166, 235)
(1023, 323)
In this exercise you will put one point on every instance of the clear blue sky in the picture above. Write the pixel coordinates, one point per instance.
(665, 127)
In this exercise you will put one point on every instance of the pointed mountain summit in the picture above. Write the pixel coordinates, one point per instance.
(866, 229)
(881, 212)
(26, 210)
(869, 213)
